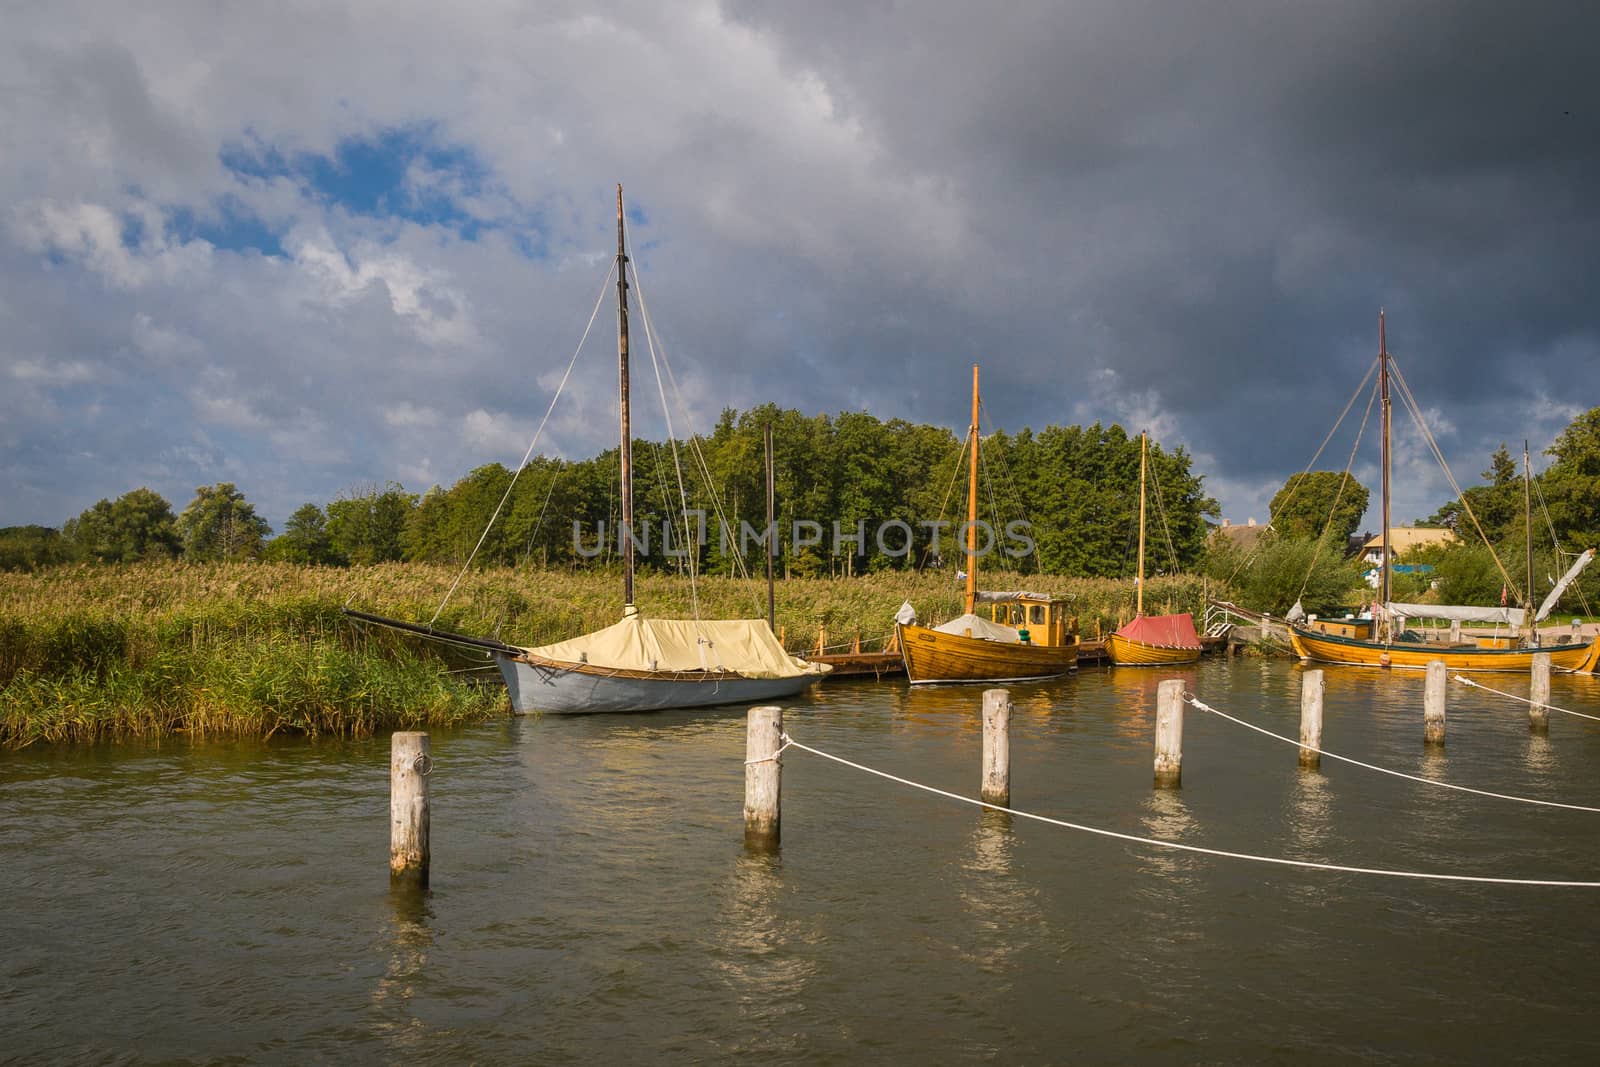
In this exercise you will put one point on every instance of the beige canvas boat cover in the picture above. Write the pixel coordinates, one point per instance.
(1013, 596)
(981, 628)
(746, 646)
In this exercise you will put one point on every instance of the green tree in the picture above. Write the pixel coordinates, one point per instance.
(1316, 501)
(1572, 483)
(304, 539)
(1278, 571)
(28, 548)
(137, 525)
(220, 524)
(367, 526)
(446, 525)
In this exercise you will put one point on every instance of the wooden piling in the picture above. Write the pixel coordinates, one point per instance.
(1311, 690)
(763, 776)
(1539, 694)
(996, 786)
(410, 765)
(1433, 703)
(1169, 734)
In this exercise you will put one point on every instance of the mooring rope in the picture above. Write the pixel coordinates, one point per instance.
(1189, 698)
(1525, 700)
(774, 757)
(789, 742)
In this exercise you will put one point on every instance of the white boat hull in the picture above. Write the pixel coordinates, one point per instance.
(536, 688)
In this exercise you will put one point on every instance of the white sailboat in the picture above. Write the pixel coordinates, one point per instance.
(645, 664)
(639, 663)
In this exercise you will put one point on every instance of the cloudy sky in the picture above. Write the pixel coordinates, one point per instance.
(308, 247)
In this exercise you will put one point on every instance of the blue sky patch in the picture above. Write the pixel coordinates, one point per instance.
(367, 176)
(233, 228)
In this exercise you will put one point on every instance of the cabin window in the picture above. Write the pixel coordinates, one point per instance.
(1036, 613)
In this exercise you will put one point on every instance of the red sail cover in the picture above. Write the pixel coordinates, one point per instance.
(1162, 631)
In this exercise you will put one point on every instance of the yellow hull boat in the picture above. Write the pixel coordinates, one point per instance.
(1407, 655)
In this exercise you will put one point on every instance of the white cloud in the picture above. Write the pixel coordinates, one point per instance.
(496, 436)
(69, 372)
(405, 415)
(436, 310)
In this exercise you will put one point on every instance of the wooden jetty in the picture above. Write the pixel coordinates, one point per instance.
(858, 664)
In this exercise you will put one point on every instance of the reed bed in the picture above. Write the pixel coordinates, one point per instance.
(91, 652)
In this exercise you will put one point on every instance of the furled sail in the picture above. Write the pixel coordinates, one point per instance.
(1455, 613)
(1561, 586)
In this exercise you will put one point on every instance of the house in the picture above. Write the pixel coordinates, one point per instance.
(1405, 539)
(1242, 537)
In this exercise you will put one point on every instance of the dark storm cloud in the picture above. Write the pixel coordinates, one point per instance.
(1219, 197)
(1176, 215)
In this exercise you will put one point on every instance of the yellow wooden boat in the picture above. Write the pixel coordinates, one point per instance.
(1127, 651)
(1151, 640)
(993, 649)
(1391, 645)
(1027, 635)
(1416, 655)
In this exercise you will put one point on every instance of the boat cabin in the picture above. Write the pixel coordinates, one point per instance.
(1044, 619)
(1349, 626)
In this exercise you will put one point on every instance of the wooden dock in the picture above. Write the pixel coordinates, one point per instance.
(888, 664)
(861, 664)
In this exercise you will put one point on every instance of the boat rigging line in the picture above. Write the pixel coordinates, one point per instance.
(1296, 484)
(677, 466)
(1427, 435)
(529, 453)
(1344, 482)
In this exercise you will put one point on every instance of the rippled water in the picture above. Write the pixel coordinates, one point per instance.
(592, 895)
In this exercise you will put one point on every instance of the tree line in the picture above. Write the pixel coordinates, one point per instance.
(1076, 486)
(1306, 557)
(848, 475)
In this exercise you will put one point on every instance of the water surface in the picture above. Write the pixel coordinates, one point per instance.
(592, 895)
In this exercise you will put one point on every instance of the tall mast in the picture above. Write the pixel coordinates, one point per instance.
(1383, 389)
(1527, 514)
(972, 501)
(772, 533)
(1138, 595)
(626, 454)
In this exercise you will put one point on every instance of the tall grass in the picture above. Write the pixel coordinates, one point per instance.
(93, 651)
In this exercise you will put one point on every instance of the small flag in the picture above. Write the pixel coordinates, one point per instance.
(1502, 596)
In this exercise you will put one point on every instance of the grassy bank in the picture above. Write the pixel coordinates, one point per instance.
(90, 652)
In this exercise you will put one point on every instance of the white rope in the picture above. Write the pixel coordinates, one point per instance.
(1525, 700)
(772, 758)
(1191, 699)
(791, 742)
(531, 446)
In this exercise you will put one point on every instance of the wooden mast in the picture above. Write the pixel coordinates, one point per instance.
(626, 454)
(1138, 595)
(1383, 572)
(972, 502)
(772, 532)
(1527, 515)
